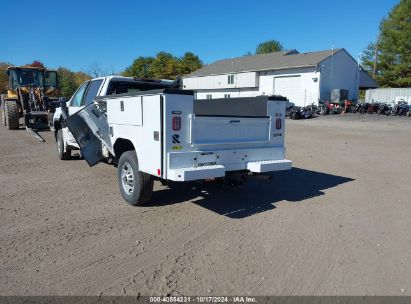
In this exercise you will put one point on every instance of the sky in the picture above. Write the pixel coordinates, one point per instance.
(111, 34)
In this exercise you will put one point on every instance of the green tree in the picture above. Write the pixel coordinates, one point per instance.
(367, 57)
(80, 77)
(164, 66)
(188, 63)
(269, 46)
(69, 81)
(248, 53)
(4, 78)
(140, 68)
(66, 82)
(394, 48)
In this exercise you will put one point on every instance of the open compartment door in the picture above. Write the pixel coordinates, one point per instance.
(90, 129)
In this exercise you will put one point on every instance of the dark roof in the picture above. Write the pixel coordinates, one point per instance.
(366, 81)
(269, 61)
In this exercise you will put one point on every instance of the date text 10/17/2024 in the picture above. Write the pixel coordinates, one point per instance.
(203, 299)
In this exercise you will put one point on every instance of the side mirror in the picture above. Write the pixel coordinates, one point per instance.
(63, 99)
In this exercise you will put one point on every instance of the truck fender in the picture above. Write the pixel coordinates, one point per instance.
(122, 145)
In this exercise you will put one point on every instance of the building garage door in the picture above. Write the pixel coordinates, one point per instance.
(290, 87)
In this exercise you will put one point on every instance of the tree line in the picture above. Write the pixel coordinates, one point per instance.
(163, 65)
(388, 59)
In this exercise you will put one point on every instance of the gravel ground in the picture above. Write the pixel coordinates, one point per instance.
(338, 223)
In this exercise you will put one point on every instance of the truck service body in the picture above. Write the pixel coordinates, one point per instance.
(174, 137)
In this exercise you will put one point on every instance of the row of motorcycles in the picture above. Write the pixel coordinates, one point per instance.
(402, 108)
(328, 108)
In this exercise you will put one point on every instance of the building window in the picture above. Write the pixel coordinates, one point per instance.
(226, 95)
(230, 79)
(209, 96)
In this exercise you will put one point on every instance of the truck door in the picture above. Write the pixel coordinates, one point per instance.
(74, 106)
(92, 91)
(81, 98)
(77, 99)
(90, 129)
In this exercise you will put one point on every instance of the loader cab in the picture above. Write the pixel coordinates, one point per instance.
(25, 77)
(32, 77)
(51, 80)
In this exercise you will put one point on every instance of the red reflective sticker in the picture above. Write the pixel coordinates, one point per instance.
(176, 123)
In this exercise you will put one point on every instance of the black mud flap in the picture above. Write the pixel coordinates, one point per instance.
(90, 129)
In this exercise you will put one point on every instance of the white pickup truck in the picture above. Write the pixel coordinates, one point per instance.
(165, 134)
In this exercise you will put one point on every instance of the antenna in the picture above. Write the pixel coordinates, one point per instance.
(332, 61)
(359, 58)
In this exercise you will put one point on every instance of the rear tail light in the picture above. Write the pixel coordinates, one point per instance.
(176, 123)
(278, 123)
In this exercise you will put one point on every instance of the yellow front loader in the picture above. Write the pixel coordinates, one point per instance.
(30, 95)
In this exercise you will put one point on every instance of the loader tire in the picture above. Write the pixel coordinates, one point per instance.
(63, 155)
(11, 114)
(136, 187)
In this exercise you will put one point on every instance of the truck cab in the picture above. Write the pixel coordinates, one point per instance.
(84, 96)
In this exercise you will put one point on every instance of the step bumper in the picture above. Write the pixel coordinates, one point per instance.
(214, 171)
(269, 165)
(196, 173)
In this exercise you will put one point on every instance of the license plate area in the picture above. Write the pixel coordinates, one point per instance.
(205, 159)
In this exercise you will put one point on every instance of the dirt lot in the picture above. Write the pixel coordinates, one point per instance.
(338, 223)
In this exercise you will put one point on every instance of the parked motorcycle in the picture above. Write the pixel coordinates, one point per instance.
(300, 112)
(327, 107)
(401, 109)
(384, 109)
(307, 112)
(295, 113)
(312, 108)
(362, 107)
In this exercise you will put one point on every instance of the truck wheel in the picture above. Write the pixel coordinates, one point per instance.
(60, 147)
(136, 187)
(11, 114)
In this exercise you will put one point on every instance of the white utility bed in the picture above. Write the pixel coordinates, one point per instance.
(180, 139)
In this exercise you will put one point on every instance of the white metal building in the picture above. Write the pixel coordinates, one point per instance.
(389, 95)
(303, 78)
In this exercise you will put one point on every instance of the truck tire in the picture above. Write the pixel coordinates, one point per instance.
(136, 187)
(63, 155)
(11, 114)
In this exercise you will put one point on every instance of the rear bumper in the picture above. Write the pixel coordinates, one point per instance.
(183, 171)
(196, 173)
(269, 165)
